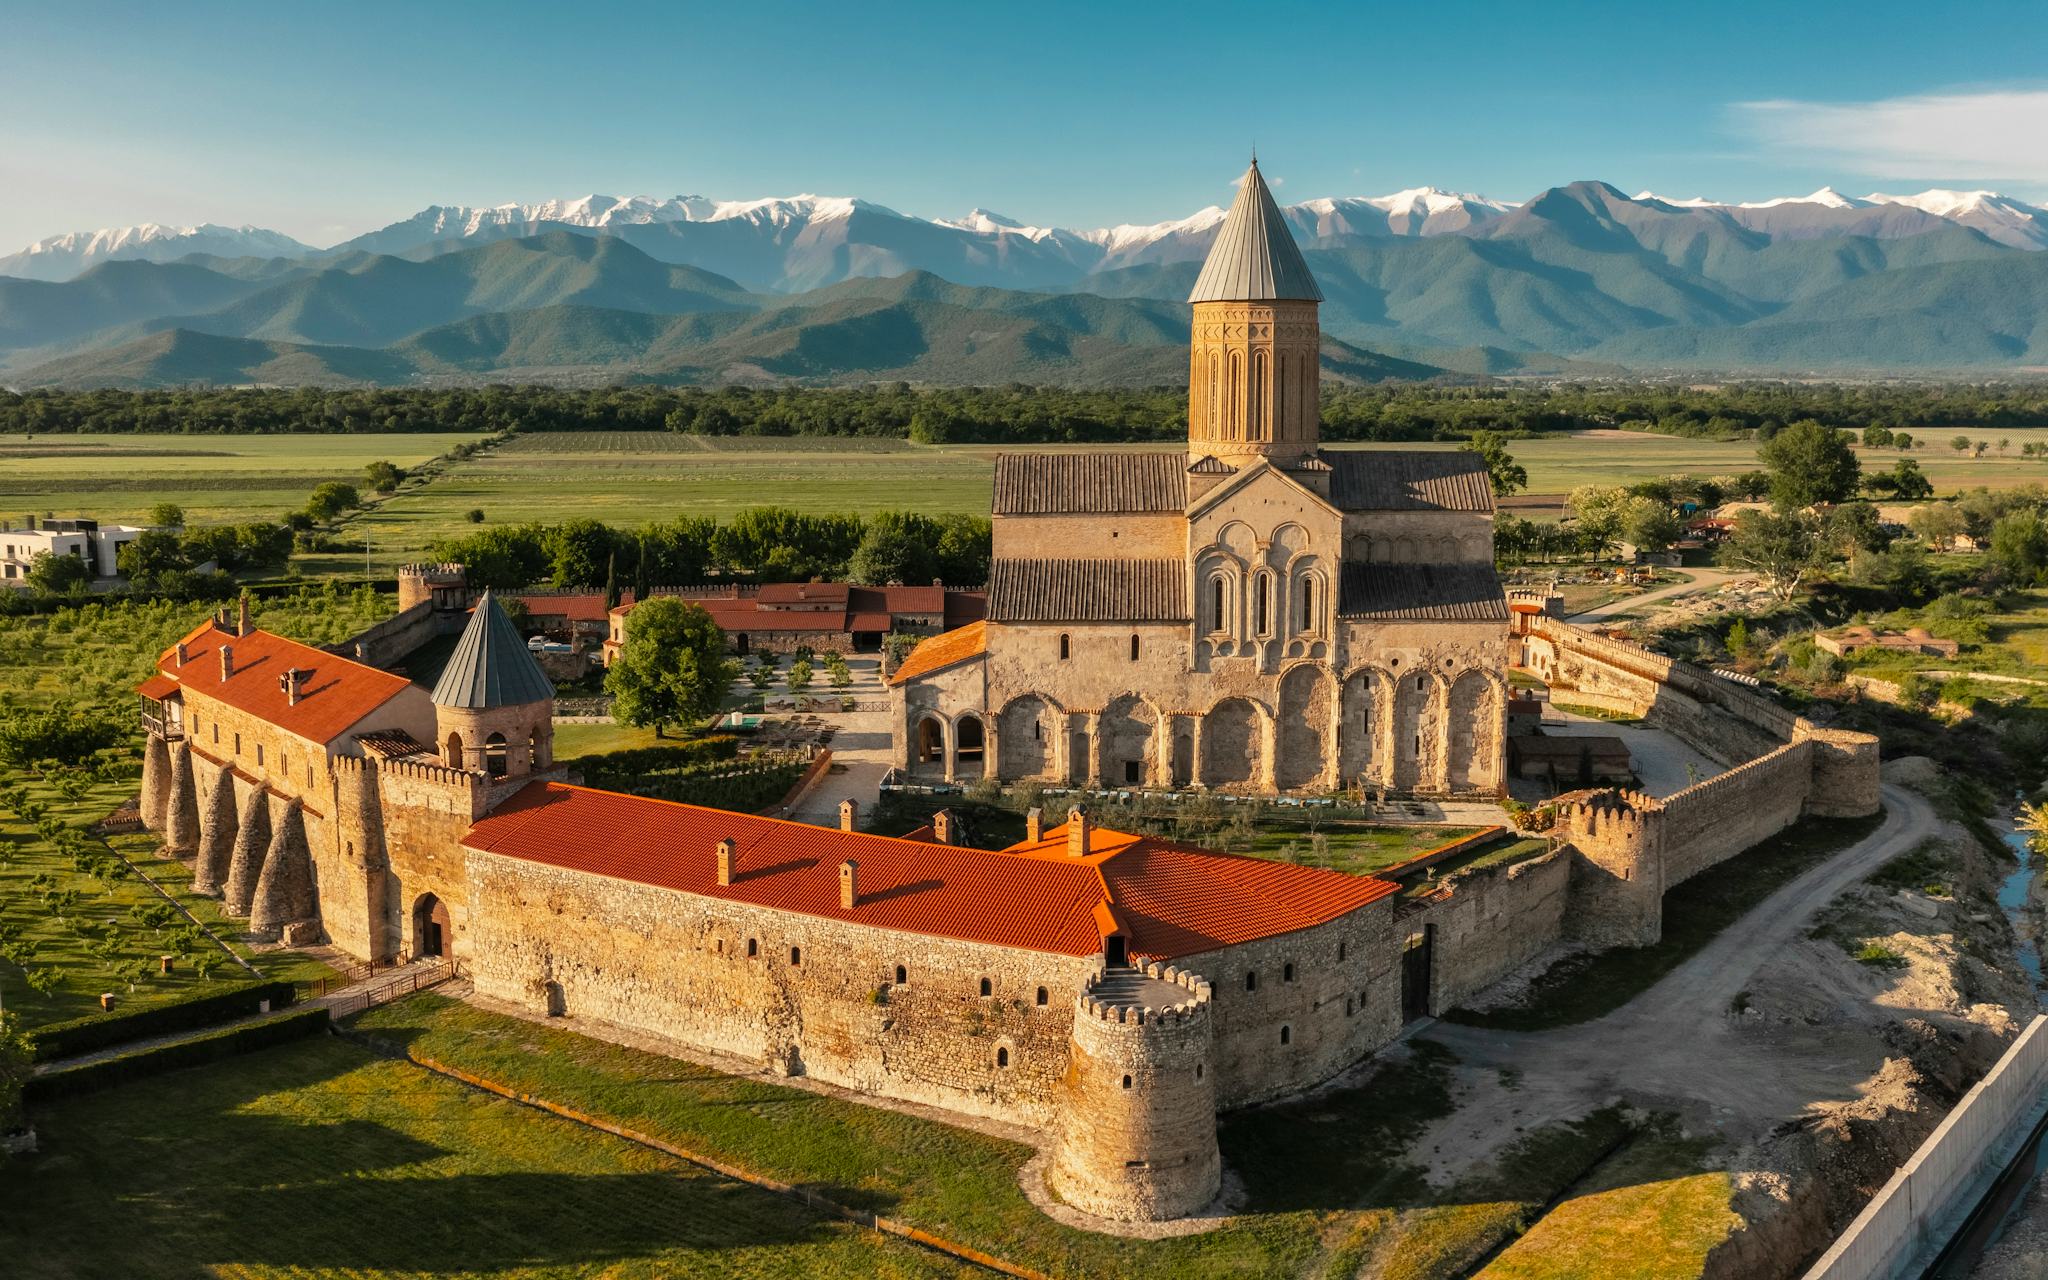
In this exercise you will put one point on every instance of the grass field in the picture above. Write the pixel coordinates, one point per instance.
(321, 1159)
(215, 478)
(628, 478)
(1358, 851)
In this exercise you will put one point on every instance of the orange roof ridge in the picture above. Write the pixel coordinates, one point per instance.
(337, 693)
(943, 650)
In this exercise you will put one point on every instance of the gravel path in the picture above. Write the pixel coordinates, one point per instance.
(1702, 580)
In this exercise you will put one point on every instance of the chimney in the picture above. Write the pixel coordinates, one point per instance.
(727, 848)
(1034, 824)
(242, 627)
(181, 653)
(227, 662)
(945, 827)
(849, 884)
(289, 682)
(1077, 832)
(849, 814)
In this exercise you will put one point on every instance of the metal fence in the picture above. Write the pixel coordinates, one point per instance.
(403, 982)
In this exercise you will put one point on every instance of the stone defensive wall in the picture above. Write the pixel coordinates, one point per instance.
(1489, 922)
(1914, 1214)
(383, 643)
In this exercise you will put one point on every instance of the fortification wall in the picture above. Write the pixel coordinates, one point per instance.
(1292, 1011)
(424, 810)
(1490, 923)
(383, 643)
(1712, 821)
(803, 994)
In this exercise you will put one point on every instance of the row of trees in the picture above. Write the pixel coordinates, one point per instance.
(1021, 413)
(773, 544)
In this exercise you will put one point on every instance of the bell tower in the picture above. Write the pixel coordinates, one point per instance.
(1254, 357)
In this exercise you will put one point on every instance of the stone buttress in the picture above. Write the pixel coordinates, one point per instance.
(284, 889)
(181, 817)
(245, 864)
(156, 781)
(217, 828)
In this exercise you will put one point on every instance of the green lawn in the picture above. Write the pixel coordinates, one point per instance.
(1580, 988)
(216, 478)
(572, 740)
(321, 1159)
(1357, 850)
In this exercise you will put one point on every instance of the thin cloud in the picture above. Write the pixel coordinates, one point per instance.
(1977, 136)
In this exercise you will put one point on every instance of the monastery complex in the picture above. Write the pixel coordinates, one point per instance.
(1252, 614)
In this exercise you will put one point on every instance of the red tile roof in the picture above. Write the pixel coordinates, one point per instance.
(869, 622)
(803, 593)
(157, 688)
(943, 650)
(1172, 900)
(334, 693)
(580, 607)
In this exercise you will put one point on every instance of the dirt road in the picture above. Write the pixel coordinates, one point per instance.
(1676, 1046)
(1702, 580)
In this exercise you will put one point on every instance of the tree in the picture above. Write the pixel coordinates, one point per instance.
(1650, 525)
(1854, 527)
(1502, 471)
(894, 549)
(1738, 640)
(672, 668)
(1876, 437)
(1750, 485)
(57, 574)
(1810, 464)
(151, 555)
(331, 499)
(2019, 545)
(1961, 444)
(383, 476)
(1599, 510)
(799, 675)
(1903, 440)
(643, 569)
(1904, 480)
(964, 549)
(167, 515)
(611, 580)
(1938, 524)
(475, 515)
(1780, 546)
(578, 553)
(17, 1064)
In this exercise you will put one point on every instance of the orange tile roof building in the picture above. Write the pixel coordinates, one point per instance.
(780, 617)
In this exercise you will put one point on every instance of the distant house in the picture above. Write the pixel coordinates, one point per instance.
(781, 617)
(1850, 640)
(97, 544)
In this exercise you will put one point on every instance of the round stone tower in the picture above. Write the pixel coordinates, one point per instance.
(494, 708)
(1254, 364)
(444, 584)
(1137, 1126)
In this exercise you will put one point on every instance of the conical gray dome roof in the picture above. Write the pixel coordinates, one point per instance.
(1254, 258)
(491, 666)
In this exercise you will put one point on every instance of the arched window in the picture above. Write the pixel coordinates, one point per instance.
(1198, 1071)
(986, 988)
(1066, 646)
(1258, 426)
(1251, 980)
(1002, 1056)
(1308, 604)
(1127, 1082)
(1287, 972)
(753, 948)
(494, 755)
(1286, 1034)
(1263, 602)
(796, 955)
(1348, 1009)
(1340, 951)
(902, 975)
(1041, 995)
(1216, 608)
(1134, 646)
(1280, 431)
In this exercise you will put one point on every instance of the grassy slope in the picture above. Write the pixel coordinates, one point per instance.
(318, 1158)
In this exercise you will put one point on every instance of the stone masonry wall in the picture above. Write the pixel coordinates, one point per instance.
(383, 643)
(1712, 821)
(1491, 922)
(804, 994)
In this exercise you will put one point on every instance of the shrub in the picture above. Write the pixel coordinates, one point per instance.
(107, 1072)
(101, 1030)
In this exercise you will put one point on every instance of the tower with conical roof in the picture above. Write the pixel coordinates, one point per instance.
(494, 708)
(1253, 367)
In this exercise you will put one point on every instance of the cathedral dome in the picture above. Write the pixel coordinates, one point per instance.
(1255, 258)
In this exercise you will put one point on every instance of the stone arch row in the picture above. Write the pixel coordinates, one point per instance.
(249, 850)
(1405, 548)
(1429, 730)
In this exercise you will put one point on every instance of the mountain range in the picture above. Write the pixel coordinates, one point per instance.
(1579, 279)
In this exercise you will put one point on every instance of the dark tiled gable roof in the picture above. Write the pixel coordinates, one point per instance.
(1088, 591)
(1421, 593)
(1409, 480)
(1046, 484)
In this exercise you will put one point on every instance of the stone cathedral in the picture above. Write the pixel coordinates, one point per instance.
(1254, 613)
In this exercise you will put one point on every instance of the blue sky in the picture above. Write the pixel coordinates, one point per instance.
(324, 120)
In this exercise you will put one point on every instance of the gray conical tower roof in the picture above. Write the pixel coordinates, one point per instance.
(1254, 258)
(491, 666)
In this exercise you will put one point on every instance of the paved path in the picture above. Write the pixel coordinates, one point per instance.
(1675, 1045)
(1702, 580)
(860, 750)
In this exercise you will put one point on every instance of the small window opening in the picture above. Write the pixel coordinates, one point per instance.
(902, 975)
(238, 744)
(1349, 1006)
(1340, 951)
(1286, 1034)
(259, 753)
(753, 948)
(796, 955)
(986, 987)
(1002, 1057)
(1308, 604)
(1066, 646)
(1251, 980)
(1216, 610)
(1127, 1082)
(1198, 1071)
(1041, 995)
(1287, 972)
(1134, 648)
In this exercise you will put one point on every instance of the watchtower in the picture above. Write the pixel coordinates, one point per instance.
(494, 709)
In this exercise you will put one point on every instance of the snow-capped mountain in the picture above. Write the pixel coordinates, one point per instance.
(2000, 217)
(63, 257)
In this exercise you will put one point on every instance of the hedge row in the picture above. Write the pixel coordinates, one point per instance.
(106, 1072)
(102, 1030)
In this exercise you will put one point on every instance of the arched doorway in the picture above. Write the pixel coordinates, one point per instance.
(1024, 748)
(1304, 728)
(431, 935)
(495, 755)
(968, 746)
(455, 751)
(1230, 744)
(1125, 733)
(931, 741)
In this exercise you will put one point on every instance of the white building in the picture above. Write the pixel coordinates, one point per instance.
(97, 544)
